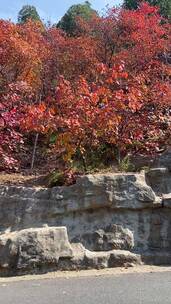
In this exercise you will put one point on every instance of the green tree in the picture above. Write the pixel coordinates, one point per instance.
(165, 5)
(28, 12)
(68, 22)
(131, 4)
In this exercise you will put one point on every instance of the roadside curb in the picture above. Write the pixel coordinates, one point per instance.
(87, 273)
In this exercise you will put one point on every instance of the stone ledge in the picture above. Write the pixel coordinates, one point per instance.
(91, 192)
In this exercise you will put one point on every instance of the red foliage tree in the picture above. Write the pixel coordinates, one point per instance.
(130, 89)
(114, 90)
(20, 82)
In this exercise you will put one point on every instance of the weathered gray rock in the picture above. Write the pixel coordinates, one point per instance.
(85, 259)
(166, 200)
(113, 258)
(114, 216)
(165, 159)
(112, 237)
(76, 262)
(160, 160)
(120, 258)
(26, 207)
(156, 258)
(47, 249)
(33, 249)
(159, 179)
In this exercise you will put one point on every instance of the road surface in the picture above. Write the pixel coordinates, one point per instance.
(140, 288)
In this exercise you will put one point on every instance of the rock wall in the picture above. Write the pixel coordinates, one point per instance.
(111, 220)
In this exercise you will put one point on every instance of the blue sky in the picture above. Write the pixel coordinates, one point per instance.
(51, 10)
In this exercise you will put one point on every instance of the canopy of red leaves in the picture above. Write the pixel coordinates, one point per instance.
(109, 85)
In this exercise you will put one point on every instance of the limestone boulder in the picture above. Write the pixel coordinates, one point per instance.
(110, 238)
(86, 259)
(159, 179)
(33, 249)
(120, 258)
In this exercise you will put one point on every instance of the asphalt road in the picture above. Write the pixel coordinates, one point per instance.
(118, 289)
